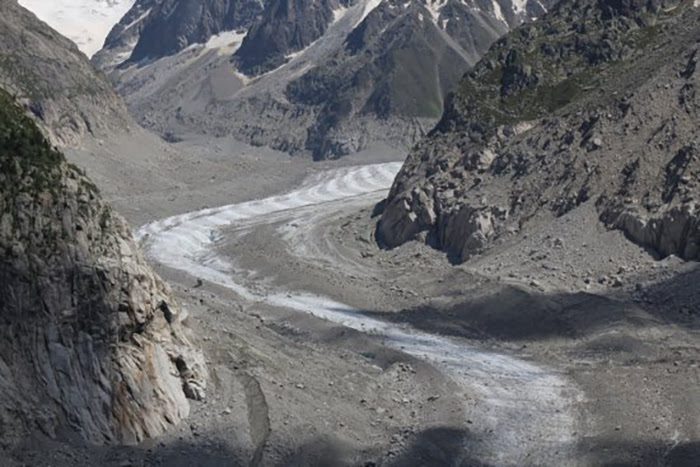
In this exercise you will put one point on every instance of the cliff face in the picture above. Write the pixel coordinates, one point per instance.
(596, 102)
(54, 80)
(91, 340)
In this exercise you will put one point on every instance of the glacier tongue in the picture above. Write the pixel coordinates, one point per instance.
(85, 22)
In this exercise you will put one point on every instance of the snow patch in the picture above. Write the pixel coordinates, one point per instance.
(137, 20)
(519, 6)
(226, 42)
(498, 12)
(85, 22)
(370, 6)
(339, 13)
(124, 55)
(434, 8)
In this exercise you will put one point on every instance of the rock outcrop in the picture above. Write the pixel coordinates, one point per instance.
(596, 102)
(91, 339)
(54, 80)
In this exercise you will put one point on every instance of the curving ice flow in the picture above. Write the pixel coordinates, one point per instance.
(183, 242)
(524, 415)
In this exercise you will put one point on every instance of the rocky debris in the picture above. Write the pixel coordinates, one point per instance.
(54, 80)
(104, 351)
(605, 113)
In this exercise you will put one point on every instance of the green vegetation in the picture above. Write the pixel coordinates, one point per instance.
(544, 67)
(26, 157)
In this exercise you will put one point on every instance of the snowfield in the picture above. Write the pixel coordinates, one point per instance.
(85, 22)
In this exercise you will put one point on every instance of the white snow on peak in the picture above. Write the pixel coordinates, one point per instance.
(226, 42)
(338, 13)
(370, 6)
(498, 12)
(519, 6)
(434, 7)
(138, 20)
(85, 22)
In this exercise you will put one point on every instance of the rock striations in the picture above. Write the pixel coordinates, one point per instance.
(54, 80)
(325, 77)
(598, 102)
(91, 340)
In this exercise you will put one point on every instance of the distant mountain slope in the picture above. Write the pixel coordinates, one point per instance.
(172, 25)
(597, 102)
(54, 79)
(91, 340)
(326, 77)
(153, 29)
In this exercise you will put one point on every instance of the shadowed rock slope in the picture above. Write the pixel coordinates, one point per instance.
(91, 341)
(172, 25)
(54, 80)
(598, 102)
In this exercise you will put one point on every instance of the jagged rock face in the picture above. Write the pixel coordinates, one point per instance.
(121, 40)
(325, 77)
(54, 80)
(91, 340)
(287, 26)
(596, 102)
(172, 25)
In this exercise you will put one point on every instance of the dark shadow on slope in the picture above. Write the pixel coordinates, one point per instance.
(439, 446)
(450, 447)
(515, 313)
(327, 451)
(185, 454)
(512, 313)
(453, 447)
(445, 447)
(40, 450)
(675, 300)
(625, 453)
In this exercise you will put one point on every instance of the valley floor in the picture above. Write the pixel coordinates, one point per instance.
(566, 345)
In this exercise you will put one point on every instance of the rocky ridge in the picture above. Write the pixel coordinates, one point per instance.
(595, 103)
(93, 343)
(54, 80)
(173, 25)
(327, 78)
